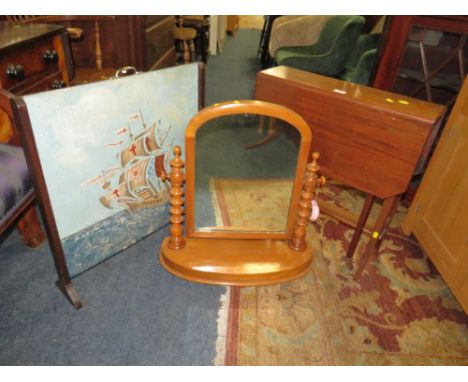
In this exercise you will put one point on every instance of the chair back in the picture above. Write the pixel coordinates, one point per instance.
(364, 43)
(360, 66)
(338, 38)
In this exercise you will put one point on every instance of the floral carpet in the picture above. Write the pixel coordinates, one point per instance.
(398, 312)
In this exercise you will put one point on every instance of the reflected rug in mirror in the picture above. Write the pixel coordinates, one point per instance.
(399, 312)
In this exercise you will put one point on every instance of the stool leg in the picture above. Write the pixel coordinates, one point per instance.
(192, 51)
(186, 52)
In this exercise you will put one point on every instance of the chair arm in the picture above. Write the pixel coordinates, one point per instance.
(320, 63)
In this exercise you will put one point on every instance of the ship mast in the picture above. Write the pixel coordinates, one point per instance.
(130, 134)
(142, 120)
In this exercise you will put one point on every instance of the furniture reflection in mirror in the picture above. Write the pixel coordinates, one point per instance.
(220, 250)
(226, 173)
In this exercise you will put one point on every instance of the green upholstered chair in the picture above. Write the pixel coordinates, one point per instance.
(330, 54)
(360, 65)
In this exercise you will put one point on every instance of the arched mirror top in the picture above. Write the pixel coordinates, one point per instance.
(262, 108)
(227, 176)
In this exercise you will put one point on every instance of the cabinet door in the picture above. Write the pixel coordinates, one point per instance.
(439, 214)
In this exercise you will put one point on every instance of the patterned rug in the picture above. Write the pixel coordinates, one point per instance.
(399, 312)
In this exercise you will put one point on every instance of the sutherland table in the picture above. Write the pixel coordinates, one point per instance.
(367, 138)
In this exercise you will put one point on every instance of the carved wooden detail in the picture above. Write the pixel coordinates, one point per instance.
(312, 181)
(177, 178)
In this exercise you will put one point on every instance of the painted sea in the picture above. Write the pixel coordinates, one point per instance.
(97, 242)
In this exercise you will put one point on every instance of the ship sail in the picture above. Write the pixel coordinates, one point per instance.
(138, 178)
(143, 145)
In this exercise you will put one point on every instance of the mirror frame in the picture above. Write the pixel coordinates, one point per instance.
(260, 108)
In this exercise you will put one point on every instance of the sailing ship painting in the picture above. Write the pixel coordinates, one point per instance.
(136, 181)
(104, 148)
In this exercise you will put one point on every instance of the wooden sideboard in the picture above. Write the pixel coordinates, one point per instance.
(33, 57)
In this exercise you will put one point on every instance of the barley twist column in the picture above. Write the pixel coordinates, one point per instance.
(176, 177)
(311, 182)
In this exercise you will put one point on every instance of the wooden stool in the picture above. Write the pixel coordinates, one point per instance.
(202, 25)
(187, 37)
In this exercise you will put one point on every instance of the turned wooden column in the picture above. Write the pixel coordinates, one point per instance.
(311, 182)
(177, 178)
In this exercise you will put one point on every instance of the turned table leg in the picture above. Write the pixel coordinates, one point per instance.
(360, 225)
(372, 248)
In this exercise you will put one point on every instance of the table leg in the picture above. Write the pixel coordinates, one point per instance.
(360, 224)
(272, 133)
(372, 248)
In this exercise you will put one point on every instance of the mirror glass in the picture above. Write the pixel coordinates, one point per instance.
(244, 173)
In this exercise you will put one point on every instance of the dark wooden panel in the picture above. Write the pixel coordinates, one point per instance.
(83, 51)
(153, 19)
(14, 37)
(139, 41)
(159, 40)
(395, 35)
(366, 137)
(38, 86)
(166, 61)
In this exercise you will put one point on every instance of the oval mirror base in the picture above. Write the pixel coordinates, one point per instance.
(235, 262)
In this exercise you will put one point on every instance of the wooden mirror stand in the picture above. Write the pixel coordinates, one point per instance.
(238, 257)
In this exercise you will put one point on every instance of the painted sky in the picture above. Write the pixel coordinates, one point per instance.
(74, 126)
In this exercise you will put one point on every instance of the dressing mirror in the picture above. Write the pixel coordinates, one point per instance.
(247, 204)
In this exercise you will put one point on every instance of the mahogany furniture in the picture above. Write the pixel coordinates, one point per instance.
(369, 139)
(413, 62)
(145, 42)
(77, 35)
(438, 216)
(33, 57)
(239, 257)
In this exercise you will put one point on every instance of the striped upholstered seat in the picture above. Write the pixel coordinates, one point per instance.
(15, 182)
